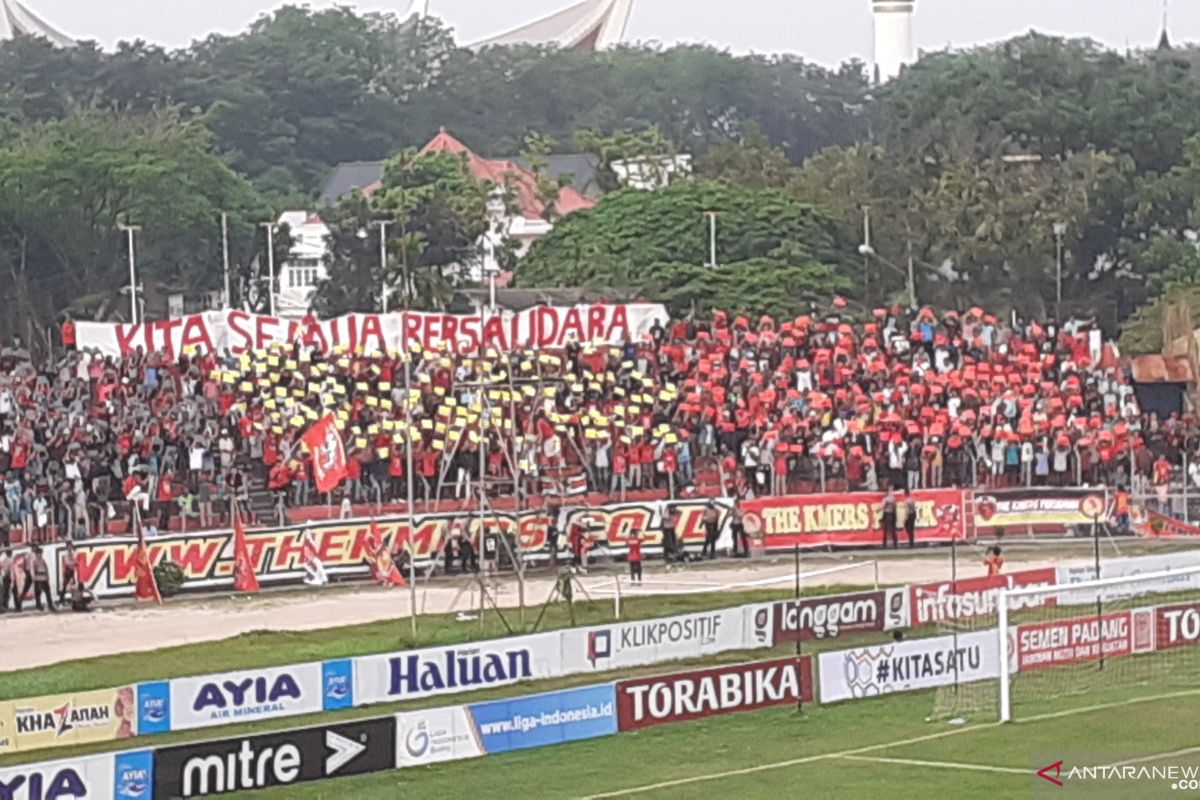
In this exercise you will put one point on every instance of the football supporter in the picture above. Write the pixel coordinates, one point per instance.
(732, 405)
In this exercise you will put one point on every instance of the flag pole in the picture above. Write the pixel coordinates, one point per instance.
(408, 474)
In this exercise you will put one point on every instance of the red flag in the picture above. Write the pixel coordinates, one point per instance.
(147, 585)
(383, 569)
(244, 579)
(328, 456)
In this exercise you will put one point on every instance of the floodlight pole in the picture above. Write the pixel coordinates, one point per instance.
(225, 257)
(271, 227)
(383, 264)
(130, 230)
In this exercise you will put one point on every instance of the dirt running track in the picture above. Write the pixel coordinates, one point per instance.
(125, 627)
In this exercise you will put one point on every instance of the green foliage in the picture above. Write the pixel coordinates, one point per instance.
(57, 246)
(776, 254)
(752, 163)
(169, 577)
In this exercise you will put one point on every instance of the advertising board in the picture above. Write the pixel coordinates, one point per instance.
(1060, 642)
(906, 665)
(106, 565)
(1177, 625)
(436, 734)
(205, 700)
(432, 671)
(653, 641)
(200, 769)
(67, 719)
(976, 597)
(831, 616)
(696, 694)
(68, 779)
(545, 719)
(853, 518)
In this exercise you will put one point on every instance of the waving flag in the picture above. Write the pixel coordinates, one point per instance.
(328, 456)
(146, 587)
(314, 568)
(244, 579)
(383, 569)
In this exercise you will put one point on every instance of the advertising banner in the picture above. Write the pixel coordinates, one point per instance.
(1133, 566)
(975, 597)
(907, 665)
(154, 707)
(853, 519)
(1045, 509)
(206, 700)
(436, 734)
(240, 764)
(133, 775)
(338, 679)
(67, 719)
(106, 566)
(433, 671)
(546, 719)
(1070, 641)
(69, 779)
(653, 641)
(683, 696)
(1177, 625)
(834, 615)
(543, 327)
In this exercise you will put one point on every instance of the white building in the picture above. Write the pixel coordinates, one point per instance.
(305, 264)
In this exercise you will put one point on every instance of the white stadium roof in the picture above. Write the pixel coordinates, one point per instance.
(17, 20)
(587, 25)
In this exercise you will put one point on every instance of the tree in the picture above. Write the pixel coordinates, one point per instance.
(441, 220)
(752, 163)
(64, 186)
(776, 254)
(647, 147)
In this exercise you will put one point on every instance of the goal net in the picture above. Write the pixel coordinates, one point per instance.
(1097, 642)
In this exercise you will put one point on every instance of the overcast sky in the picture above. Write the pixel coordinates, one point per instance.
(826, 31)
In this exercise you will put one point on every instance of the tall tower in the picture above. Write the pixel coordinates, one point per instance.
(893, 37)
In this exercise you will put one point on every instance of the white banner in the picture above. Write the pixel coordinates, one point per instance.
(206, 700)
(907, 665)
(68, 779)
(1137, 565)
(543, 327)
(458, 668)
(436, 734)
(653, 641)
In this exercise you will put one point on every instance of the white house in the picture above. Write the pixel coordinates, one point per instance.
(305, 264)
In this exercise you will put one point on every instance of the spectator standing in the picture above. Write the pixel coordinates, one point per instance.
(39, 576)
(635, 555)
(910, 518)
(6, 584)
(888, 518)
(994, 561)
(712, 530)
(70, 568)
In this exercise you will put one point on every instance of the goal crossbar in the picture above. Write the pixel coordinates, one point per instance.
(1002, 613)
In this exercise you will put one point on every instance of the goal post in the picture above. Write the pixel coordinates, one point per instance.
(1109, 638)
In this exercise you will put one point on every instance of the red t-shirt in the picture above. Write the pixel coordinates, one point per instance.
(635, 549)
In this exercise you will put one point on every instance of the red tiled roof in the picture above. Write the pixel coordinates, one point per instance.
(1162, 369)
(506, 172)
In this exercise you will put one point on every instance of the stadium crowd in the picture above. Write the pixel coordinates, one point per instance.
(731, 404)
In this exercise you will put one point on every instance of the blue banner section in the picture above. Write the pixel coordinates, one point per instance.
(546, 719)
(133, 775)
(337, 681)
(154, 707)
